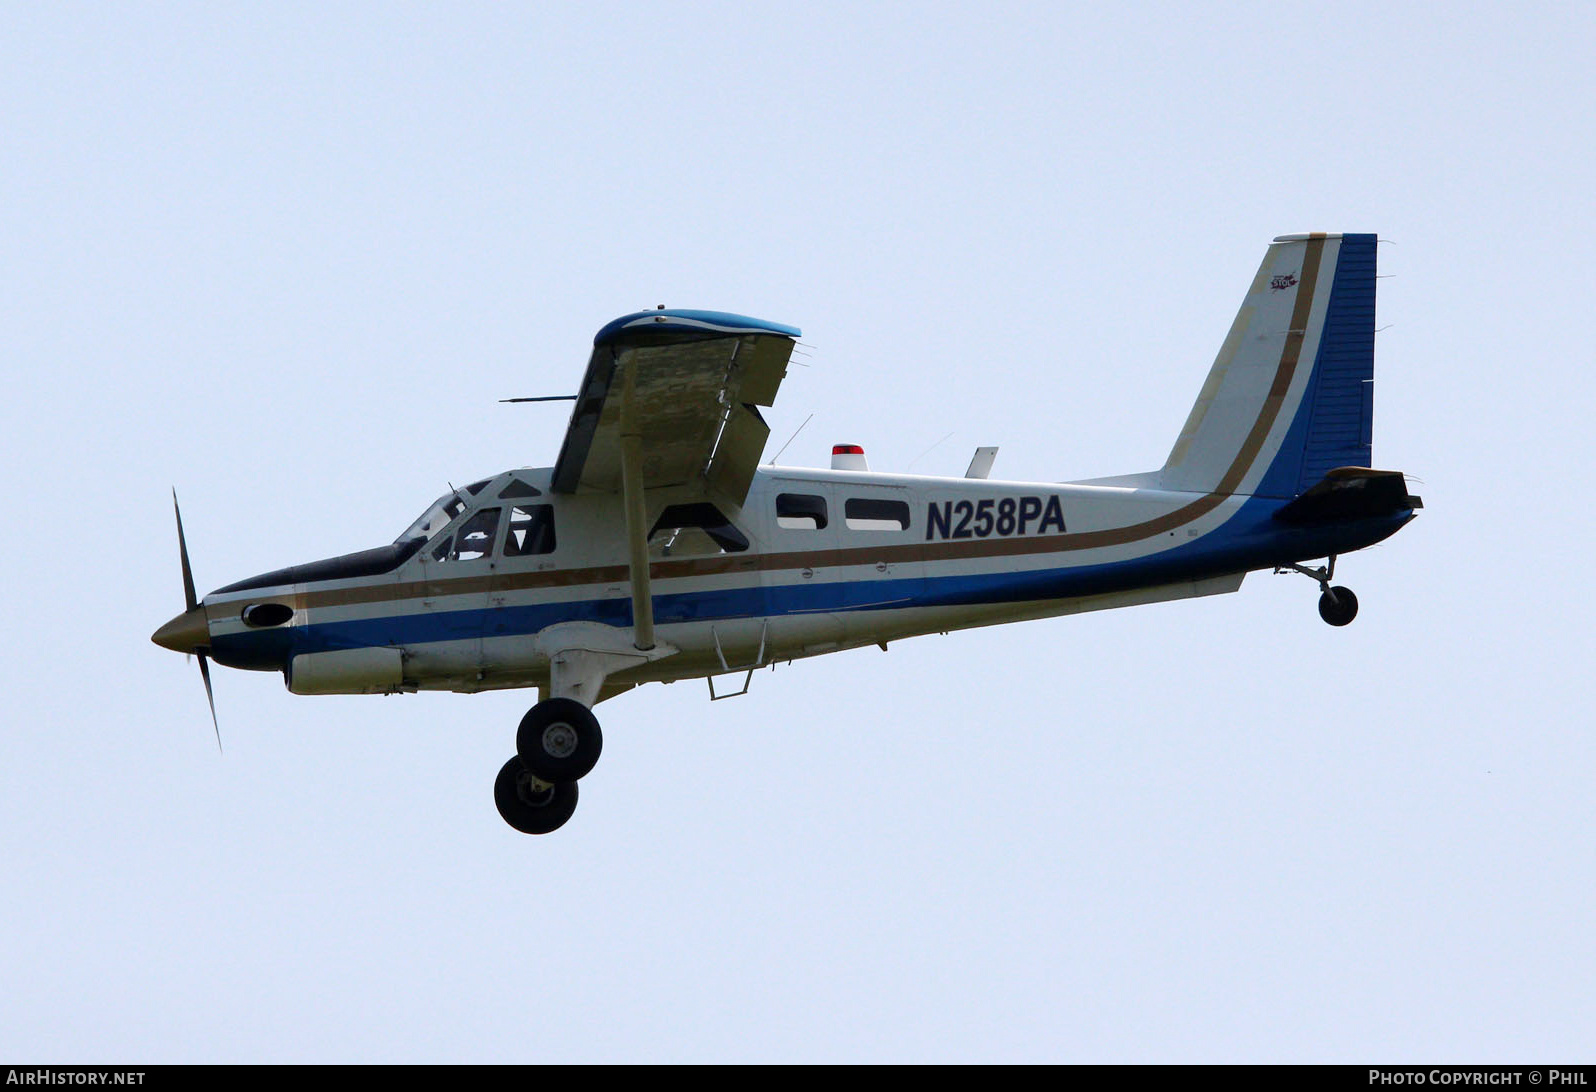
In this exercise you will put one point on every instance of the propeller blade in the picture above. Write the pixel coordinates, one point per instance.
(190, 600)
(205, 673)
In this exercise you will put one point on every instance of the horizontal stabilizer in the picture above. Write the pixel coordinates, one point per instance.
(1351, 492)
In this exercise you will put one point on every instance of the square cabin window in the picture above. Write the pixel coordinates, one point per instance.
(800, 512)
(874, 514)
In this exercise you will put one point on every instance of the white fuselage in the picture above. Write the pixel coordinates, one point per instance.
(869, 558)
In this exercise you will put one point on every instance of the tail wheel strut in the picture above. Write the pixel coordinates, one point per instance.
(1337, 605)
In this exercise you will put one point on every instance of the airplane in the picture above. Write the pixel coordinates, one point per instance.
(657, 548)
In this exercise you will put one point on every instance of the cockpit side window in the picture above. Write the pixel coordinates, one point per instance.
(473, 541)
(531, 530)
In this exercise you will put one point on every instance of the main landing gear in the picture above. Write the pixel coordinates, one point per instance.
(1337, 605)
(557, 744)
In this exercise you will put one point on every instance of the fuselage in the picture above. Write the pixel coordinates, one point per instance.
(813, 561)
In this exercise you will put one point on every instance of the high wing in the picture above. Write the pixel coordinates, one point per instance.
(687, 384)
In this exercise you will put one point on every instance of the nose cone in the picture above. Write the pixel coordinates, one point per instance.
(188, 632)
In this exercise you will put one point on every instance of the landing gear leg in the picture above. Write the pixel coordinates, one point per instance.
(1337, 605)
(559, 740)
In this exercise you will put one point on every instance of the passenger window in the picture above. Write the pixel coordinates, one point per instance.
(871, 514)
(800, 512)
(694, 530)
(531, 530)
(473, 541)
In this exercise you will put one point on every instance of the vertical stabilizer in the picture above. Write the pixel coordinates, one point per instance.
(1290, 395)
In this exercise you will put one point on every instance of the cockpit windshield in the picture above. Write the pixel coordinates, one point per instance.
(434, 519)
(438, 515)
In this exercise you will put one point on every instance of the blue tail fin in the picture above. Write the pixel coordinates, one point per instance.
(1291, 393)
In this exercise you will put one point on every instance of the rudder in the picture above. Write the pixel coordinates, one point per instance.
(1340, 402)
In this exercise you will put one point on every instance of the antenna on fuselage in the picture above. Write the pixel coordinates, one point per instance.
(927, 451)
(791, 438)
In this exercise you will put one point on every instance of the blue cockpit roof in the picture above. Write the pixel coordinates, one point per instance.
(709, 322)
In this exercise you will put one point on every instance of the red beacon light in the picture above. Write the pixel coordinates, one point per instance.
(848, 457)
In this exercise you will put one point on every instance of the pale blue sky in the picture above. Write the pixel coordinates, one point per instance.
(288, 257)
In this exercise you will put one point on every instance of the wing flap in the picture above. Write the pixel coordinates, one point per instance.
(742, 441)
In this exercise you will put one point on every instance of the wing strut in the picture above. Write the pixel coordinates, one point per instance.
(636, 511)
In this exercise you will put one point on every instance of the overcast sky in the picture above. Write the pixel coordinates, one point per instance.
(287, 258)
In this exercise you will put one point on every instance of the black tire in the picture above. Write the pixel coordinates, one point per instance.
(1338, 606)
(559, 740)
(525, 808)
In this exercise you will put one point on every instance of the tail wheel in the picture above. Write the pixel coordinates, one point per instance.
(1338, 606)
(529, 805)
(559, 740)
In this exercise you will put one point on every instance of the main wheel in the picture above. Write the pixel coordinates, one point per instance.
(1338, 606)
(559, 740)
(527, 807)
